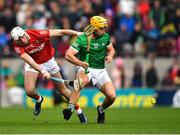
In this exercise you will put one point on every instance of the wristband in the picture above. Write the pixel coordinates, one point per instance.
(43, 71)
(78, 33)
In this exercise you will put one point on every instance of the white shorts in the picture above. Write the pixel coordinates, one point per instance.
(98, 76)
(51, 66)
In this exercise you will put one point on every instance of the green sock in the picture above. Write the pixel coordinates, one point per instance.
(71, 106)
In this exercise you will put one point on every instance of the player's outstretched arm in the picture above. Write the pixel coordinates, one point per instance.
(70, 56)
(60, 32)
(33, 64)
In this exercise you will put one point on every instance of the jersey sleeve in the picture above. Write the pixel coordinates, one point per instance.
(76, 44)
(44, 33)
(108, 40)
(19, 50)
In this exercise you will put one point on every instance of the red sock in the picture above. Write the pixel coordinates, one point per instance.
(78, 109)
(77, 106)
(37, 97)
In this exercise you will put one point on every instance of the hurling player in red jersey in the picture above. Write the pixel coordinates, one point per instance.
(34, 47)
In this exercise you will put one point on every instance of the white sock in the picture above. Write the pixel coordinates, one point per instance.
(79, 111)
(101, 109)
(39, 100)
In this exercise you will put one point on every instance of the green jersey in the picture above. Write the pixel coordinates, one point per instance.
(97, 52)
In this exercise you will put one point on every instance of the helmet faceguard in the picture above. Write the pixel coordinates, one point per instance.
(98, 22)
(17, 32)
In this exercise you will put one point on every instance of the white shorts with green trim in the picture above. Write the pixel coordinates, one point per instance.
(98, 76)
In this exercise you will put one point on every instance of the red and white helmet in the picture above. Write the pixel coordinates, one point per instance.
(17, 32)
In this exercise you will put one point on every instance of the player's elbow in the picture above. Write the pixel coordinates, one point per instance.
(70, 55)
(67, 56)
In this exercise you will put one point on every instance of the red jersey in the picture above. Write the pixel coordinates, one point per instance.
(39, 47)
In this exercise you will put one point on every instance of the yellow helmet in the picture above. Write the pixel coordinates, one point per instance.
(98, 22)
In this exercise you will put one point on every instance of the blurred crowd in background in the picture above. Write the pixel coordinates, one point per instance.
(138, 28)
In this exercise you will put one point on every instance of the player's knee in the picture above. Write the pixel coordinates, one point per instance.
(85, 81)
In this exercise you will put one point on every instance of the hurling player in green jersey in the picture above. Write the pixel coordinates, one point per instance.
(101, 51)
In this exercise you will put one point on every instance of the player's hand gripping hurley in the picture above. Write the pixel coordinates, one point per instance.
(88, 32)
(60, 80)
(76, 84)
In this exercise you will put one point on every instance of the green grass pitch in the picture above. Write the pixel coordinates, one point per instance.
(118, 121)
